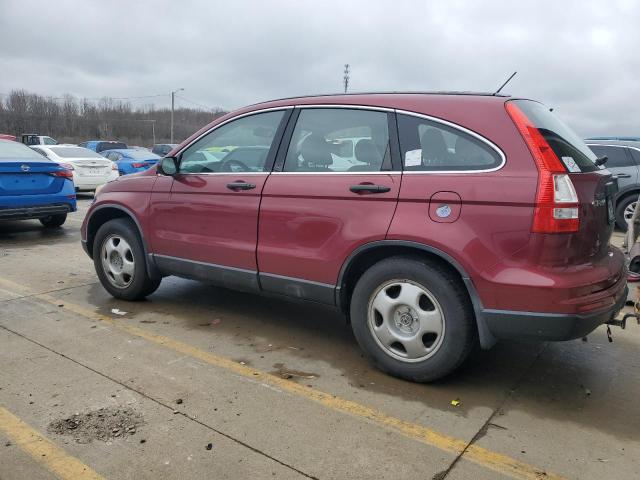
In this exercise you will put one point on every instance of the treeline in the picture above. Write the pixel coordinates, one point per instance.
(72, 120)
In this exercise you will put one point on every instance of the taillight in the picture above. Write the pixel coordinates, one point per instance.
(66, 172)
(556, 208)
(138, 165)
(114, 166)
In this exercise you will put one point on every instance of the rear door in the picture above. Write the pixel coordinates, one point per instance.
(203, 222)
(326, 198)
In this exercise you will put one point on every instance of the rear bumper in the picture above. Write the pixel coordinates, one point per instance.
(39, 211)
(504, 324)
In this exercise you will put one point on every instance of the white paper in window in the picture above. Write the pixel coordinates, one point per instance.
(413, 158)
(571, 164)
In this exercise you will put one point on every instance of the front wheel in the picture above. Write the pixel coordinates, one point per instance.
(119, 260)
(54, 221)
(413, 318)
(624, 211)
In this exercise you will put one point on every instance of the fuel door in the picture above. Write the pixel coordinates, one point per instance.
(444, 207)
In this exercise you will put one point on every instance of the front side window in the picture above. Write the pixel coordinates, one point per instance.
(431, 146)
(616, 156)
(339, 140)
(238, 146)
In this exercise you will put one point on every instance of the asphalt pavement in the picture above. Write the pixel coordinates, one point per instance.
(201, 382)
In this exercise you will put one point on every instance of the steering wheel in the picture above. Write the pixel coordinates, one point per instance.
(233, 165)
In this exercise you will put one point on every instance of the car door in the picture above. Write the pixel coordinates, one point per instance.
(203, 222)
(324, 199)
(620, 163)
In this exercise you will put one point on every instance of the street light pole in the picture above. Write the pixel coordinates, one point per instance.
(173, 101)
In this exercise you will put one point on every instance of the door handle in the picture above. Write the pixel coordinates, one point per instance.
(240, 186)
(622, 175)
(369, 188)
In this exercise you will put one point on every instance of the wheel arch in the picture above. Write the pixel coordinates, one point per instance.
(104, 213)
(368, 254)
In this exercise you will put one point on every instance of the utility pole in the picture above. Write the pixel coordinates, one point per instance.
(346, 77)
(173, 102)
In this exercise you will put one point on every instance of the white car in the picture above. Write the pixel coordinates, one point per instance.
(90, 169)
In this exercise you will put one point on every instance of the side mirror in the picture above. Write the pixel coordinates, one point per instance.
(168, 166)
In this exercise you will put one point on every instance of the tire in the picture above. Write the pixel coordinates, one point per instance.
(54, 221)
(119, 260)
(441, 299)
(621, 206)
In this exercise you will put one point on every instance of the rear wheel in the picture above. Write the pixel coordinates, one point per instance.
(119, 260)
(413, 318)
(54, 221)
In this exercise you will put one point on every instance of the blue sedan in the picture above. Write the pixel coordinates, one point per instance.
(32, 186)
(131, 160)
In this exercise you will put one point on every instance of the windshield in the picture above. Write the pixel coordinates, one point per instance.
(564, 142)
(140, 155)
(12, 150)
(75, 152)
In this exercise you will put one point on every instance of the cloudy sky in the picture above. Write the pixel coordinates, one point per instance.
(581, 57)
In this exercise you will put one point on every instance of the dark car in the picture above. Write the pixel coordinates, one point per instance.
(623, 160)
(99, 146)
(461, 219)
(161, 149)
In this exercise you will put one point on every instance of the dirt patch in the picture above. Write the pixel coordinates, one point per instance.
(104, 424)
(287, 373)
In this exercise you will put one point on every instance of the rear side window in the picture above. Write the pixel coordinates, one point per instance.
(617, 156)
(431, 146)
(564, 142)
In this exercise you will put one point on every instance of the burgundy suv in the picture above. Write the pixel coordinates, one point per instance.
(433, 221)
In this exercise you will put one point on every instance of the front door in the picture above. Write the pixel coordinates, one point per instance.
(333, 189)
(205, 226)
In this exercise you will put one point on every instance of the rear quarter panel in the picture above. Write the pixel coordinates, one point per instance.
(496, 208)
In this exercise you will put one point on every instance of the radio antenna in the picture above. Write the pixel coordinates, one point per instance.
(505, 83)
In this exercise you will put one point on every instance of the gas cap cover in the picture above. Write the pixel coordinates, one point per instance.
(444, 207)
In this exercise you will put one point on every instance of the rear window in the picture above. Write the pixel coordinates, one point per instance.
(110, 146)
(12, 151)
(565, 143)
(73, 152)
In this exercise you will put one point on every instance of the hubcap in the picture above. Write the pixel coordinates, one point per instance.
(117, 261)
(628, 212)
(406, 320)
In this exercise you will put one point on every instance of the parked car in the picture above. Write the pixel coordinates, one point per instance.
(33, 187)
(5, 136)
(131, 160)
(161, 149)
(624, 161)
(468, 218)
(89, 168)
(35, 139)
(102, 145)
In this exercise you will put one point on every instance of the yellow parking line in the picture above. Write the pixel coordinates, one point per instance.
(43, 451)
(481, 456)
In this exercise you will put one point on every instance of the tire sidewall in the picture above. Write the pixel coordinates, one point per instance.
(125, 229)
(459, 326)
(620, 208)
